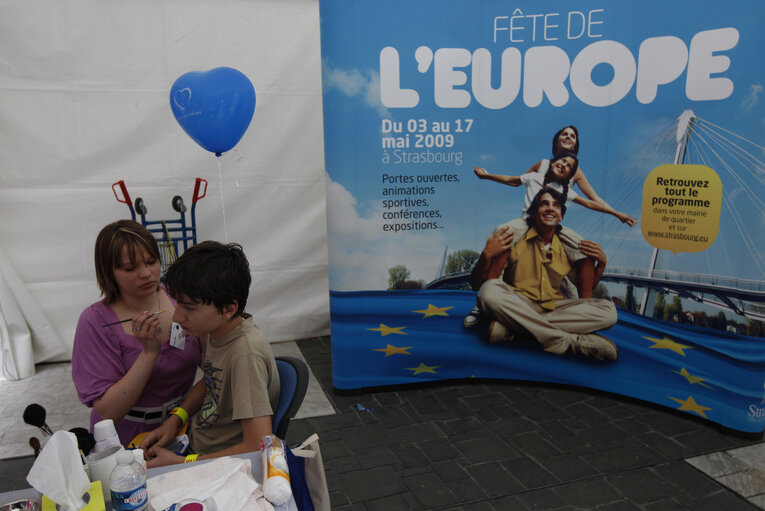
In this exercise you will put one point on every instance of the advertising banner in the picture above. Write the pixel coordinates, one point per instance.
(567, 192)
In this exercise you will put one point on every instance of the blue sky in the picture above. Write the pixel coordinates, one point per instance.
(511, 139)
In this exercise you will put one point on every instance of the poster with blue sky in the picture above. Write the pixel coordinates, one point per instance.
(419, 94)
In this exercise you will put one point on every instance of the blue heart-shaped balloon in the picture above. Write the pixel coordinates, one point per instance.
(213, 107)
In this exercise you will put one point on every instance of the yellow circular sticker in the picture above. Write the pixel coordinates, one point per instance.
(681, 207)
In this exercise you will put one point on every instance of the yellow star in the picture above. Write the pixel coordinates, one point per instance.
(422, 368)
(387, 330)
(668, 344)
(691, 405)
(394, 350)
(432, 310)
(691, 379)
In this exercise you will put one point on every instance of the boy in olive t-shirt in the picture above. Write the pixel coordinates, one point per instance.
(233, 404)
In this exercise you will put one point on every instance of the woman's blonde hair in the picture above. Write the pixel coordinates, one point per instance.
(108, 253)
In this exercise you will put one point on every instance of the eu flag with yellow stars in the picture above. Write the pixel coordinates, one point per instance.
(383, 338)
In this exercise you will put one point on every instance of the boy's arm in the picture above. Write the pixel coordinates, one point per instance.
(165, 434)
(605, 208)
(253, 430)
(595, 251)
(505, 180)
(492, 258)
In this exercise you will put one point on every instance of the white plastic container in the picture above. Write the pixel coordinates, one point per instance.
(105, 435)
(128, 484)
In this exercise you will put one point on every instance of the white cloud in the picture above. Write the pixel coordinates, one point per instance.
(360, 252)
(364, 85)
(753, 98)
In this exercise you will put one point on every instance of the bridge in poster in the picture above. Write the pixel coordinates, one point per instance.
(728, 275)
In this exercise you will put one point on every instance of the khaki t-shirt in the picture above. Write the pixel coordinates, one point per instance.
(242, 383)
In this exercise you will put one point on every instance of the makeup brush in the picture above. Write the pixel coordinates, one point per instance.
(34, 415)
(128, 319)
(85, 440)
(34, 443)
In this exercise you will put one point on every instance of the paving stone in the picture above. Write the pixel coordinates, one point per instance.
(409, 456)
(507, 503)
(438, 450)
(450, 470)
(621, 505)
(541, 500)
(510, 426)
(345, 464)
(748, 483)
(334, 449)
(479, 506)
(689, 481)
(641, 486)
(375, 456)
(568, 468)
(338, 499)
(618, 458)
(588, 494)
(398, 501)
(478, 450)
(534, 445)
(374, 483)
(667, 505)
(705, 440)
(467, 490)
(430, 491)
(494, 479)
(416, 432)
(720, 501)
(465, 427)
(530, 473)
(668, 447)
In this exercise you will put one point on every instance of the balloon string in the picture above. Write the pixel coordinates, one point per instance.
(222, 203)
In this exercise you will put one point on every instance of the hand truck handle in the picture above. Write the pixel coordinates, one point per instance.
(196, 196)
(125, 195)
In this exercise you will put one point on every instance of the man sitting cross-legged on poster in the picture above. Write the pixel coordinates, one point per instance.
(233, 404)
(528, 297)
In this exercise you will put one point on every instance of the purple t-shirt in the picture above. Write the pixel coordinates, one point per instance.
(101, 356)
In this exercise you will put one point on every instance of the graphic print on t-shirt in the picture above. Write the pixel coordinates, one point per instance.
(208, 414)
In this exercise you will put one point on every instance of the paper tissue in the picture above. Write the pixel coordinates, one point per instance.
(58, 474)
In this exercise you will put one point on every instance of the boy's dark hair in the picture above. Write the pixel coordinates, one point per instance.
(212, 273)
(533, 208)
(557, 135)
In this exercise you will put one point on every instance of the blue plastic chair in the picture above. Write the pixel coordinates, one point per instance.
(293, 374)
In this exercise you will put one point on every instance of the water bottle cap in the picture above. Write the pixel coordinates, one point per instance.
(125, 457)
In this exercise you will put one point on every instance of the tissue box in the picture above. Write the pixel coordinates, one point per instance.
(96, 502)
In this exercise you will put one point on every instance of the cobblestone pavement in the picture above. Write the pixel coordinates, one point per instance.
(481, 445)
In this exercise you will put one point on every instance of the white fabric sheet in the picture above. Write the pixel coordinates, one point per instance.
(84, 102)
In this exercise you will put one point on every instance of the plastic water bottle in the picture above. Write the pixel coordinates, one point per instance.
(128, 484)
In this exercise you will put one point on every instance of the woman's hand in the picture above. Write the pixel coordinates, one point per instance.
(594, 250)
(480, 172)
(148, 332)
(626, 219)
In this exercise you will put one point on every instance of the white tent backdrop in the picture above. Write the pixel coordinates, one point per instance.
(84, 88)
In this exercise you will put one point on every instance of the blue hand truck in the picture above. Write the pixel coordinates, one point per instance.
(170, 234)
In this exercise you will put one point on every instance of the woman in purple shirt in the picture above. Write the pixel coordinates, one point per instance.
(129, 372)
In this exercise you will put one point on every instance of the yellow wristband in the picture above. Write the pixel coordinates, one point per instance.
(191, 458)
(181, 413)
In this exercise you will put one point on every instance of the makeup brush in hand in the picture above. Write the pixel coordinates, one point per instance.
(34, 415)
(34, 443)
